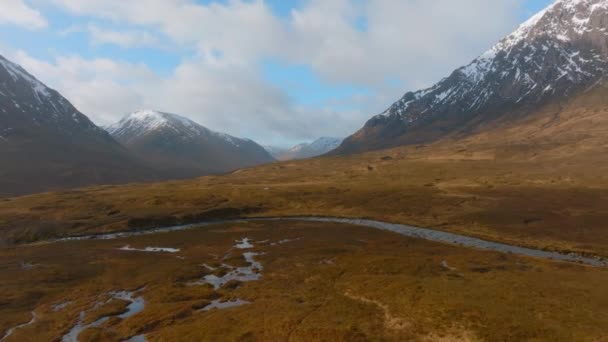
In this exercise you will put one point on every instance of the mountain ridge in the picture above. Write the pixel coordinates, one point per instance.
(182, 147)
(559, 52)
(47, 144)
(316, 148)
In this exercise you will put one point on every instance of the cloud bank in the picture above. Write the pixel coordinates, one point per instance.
(385, 46)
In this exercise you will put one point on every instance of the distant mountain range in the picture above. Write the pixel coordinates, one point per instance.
(180, 147)
(545, 85)
(557, 55)
(47, 144)
(302, 151)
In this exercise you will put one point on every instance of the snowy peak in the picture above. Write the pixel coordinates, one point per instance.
(183, 148)
(566, 21)
(306, 150)
(298, 148)
(19, 75)
(27, 102)
(553, 53)
(325, 144)
(145, 122)
(47, 144)
(557, 53)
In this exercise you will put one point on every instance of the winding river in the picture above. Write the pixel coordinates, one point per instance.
(410, 231)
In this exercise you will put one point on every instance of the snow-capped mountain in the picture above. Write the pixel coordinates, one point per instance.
(559, 52)
(321, 146)
(305, 150)
(182, 147)
(25, 100)
(46, 143)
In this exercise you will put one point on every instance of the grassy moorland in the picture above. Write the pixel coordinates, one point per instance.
(542, 203)
(323, 282)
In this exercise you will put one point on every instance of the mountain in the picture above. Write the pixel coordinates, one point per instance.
(182, 148)
(303, 151)
(275, 151)
(557, 55)
(47, 144)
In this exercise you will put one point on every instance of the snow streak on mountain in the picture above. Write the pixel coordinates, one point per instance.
(558, 52)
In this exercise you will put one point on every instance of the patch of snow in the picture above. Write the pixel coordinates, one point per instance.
(144, 122)
(18, 73)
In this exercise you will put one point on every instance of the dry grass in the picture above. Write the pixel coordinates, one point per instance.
(543, 204)
(333, 282)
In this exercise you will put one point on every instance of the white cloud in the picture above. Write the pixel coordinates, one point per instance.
(17, 12)
(101, 88)
(415, 42)
(125, 38)
(227, 98)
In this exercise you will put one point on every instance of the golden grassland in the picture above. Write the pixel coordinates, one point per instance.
(539, 180)
(330, 282)
(542, 203)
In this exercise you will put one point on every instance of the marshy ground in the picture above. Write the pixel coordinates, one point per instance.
(316, 281)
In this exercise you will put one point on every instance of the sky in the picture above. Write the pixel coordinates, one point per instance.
(276, 71)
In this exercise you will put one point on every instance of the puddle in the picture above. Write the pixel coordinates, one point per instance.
(72, 335)
(242, 274)
(60, 306)
(27, 265)
(445, 265)
(10, 331)
(135, 306)
(150, 249)
(218, 304)
(244, 244)
(284, 241)
(138, 338)
(252, 272)
(210, 268)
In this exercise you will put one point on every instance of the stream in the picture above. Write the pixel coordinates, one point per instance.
(12, 330)
(136, 305)
(410, 231)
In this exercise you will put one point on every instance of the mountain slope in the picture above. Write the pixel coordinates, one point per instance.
(275, 151)
(303, 151)
(46, 143)
(559, 53)
(183, 148)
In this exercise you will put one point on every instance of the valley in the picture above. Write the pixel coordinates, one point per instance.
(538, 203)
(471, 210)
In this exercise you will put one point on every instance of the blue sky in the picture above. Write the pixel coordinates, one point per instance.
(278, 71)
